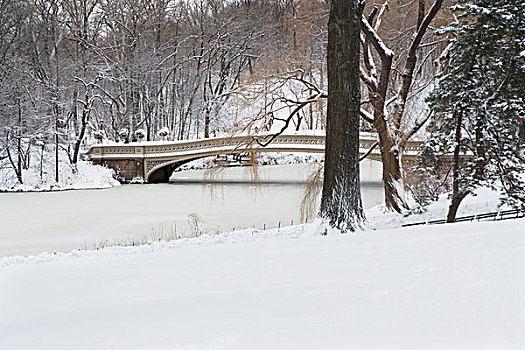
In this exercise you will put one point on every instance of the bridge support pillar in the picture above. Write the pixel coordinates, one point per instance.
(125, 169)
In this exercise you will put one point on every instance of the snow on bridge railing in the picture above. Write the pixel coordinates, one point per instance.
(235, 142)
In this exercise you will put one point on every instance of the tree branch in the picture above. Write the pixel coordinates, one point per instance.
(369, 151)
(287, 121)
(408, 73)
(408, 135)
(366, 116)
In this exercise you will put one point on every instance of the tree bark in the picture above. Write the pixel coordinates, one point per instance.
(457, 197)
(56, 150)
(78, 142)
(206, 125)
(392, 175)
(341, 204)
(457, 194)
(16, 168)
(390, 150)
(19, 142)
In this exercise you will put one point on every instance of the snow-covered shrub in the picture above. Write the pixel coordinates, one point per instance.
(123, 134)
(428, 180)
(163, 133)
(140, 134)
(98, 135)
(195, 222)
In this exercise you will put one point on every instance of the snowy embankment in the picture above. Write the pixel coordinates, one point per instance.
(87, 176)
(277, 158)
(484, 200)
(455, 286)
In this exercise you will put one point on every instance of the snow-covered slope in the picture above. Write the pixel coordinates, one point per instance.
(484, 200)
(87, 176)
(456, 286)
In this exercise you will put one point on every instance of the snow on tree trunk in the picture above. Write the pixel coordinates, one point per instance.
(392, 174)
(341, 204)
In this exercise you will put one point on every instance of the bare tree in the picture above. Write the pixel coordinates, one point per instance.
(83, 26)
(17, 126)
(396, 70)
(388, 90)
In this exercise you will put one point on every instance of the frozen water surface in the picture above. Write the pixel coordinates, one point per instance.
(31, 223)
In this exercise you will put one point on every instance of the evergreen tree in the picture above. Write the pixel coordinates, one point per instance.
(479, 103)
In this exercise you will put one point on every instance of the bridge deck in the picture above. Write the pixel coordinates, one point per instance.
(155, 160)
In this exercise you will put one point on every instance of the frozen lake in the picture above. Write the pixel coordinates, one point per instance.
(32, 223)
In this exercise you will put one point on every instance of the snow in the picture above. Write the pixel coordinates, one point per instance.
(273, 158)
(479, 9)
(68, 220)
(87, 176)
(484, 200)
(454, 286)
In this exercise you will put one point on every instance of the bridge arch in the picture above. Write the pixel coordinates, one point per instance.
(162, 172)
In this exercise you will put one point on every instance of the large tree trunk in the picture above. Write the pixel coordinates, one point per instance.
(341, 198)
(391, 137)
(392, 174)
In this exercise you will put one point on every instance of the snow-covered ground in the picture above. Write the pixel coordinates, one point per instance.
(484, 200)
(454, 286)
(87, 176)
(276, 158)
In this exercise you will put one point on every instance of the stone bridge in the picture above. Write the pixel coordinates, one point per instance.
(155, 161)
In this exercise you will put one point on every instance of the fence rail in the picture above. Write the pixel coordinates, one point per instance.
(495, 216)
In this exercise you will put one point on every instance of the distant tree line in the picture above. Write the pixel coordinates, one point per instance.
(121, 69)
(70, 68)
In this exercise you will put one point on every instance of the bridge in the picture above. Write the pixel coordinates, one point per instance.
(155, 161)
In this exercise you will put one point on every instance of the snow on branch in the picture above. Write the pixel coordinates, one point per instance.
(376, 41)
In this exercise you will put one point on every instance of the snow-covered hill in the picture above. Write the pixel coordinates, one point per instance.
(87, 176)
(454, 286)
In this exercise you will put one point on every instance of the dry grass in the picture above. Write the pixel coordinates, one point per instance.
(314, 184)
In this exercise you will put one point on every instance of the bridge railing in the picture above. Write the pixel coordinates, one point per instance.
(153, 148)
